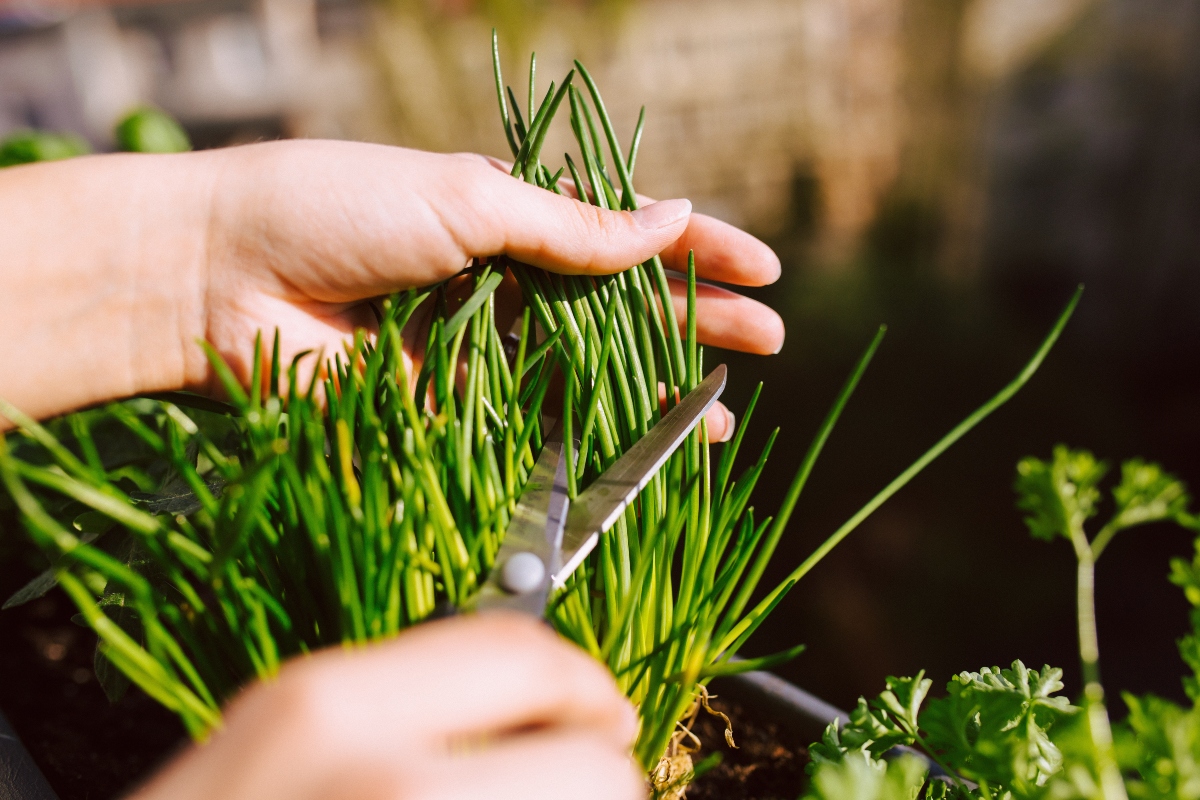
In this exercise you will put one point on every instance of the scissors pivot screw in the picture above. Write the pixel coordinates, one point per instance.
(522, 573)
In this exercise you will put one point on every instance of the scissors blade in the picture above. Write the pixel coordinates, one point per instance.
(532, 549)
(596, 509)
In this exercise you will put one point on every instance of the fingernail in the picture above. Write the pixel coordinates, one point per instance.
(730, 425)
(661, 214)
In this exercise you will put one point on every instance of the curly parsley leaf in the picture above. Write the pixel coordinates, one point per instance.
(875, 727)
(1148, 494)
(1060, 495)
(993, 728)
(864, 778)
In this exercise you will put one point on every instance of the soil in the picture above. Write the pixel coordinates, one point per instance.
(90, 749)
(768, 763)
(87, 747)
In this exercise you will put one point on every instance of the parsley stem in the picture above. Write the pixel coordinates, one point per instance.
(1112, 786)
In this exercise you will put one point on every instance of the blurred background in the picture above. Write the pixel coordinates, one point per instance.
(952, 168)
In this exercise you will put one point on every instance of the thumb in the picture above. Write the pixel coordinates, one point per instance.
(504, 215)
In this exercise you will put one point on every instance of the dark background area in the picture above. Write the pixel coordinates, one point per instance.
(1093, 176)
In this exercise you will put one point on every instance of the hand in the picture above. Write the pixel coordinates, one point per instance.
(306, 230)
(493, 706)
(165, 250)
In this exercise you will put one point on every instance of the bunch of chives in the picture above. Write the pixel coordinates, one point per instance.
(350, 508)
(665, 601)
(338, 522)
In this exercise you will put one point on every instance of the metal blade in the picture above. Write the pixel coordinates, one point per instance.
(598, 507)
(532, 548)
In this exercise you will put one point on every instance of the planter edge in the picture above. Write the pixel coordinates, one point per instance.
(786, 704)
(781, 702)
(20, 778)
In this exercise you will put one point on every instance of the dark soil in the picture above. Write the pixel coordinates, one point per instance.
(768, 763)
(90, 749)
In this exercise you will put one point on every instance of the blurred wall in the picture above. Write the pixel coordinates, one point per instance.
(742, 98)
(230, 70)
(746, 100)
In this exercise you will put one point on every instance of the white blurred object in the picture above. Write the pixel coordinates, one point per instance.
(221, 69)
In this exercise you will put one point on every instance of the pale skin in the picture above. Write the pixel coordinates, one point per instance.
(117, 265)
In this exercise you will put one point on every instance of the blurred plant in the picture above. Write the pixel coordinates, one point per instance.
(143, 130)
(27, 147)
(1060, 496)
(149, 130)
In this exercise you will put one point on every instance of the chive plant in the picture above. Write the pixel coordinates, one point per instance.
(323, 523)
(347, 509)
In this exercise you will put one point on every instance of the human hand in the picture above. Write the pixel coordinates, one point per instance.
(494, 705)
(128, 260)
(305, 231)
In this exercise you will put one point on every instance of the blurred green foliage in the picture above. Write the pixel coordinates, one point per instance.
(150, 130)
(143, 130)
(27, 147)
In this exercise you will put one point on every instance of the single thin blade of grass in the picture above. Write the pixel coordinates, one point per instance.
(472, 304)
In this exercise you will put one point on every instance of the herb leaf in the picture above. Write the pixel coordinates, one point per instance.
(1061, 495)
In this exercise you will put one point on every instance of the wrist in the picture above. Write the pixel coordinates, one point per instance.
(105, 294)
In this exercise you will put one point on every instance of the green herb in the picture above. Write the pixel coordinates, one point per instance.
(1007, 733)
(149, 130)
(27, 147)
(299, 516)
(1060, 496)
(992, 729)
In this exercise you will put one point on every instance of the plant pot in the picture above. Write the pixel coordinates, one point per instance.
(20, 779)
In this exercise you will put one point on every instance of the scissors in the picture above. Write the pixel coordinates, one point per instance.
(549, 536)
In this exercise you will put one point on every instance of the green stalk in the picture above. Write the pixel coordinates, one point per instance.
(755, 617)
(1112, 785)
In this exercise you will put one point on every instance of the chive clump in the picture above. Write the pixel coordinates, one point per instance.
(345, 509)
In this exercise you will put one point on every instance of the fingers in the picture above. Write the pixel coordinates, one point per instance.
(340, 221)
(536, 766)
(489, 213)
(376, 721)
(506, 671)
(728, 320)
(478, 676)
(721, 423)
(724, 253)
(719, 419)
